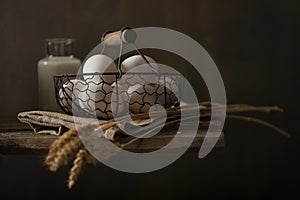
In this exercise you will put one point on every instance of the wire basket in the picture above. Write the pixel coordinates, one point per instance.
(87, 95)
(91, 94)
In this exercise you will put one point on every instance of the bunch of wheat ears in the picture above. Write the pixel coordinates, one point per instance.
(69, 147)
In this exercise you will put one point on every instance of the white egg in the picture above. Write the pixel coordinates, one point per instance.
(139, 67)
(120, 99)
(99, 64)
(71, 91)
(143, 97)
(137, 60)
(99, 100)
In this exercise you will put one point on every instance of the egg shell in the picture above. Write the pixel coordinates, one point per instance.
(100, 100)
(139, 69)
(99, 64)
(137, 60)
(70, 91)
(120, 99)
(143, 97)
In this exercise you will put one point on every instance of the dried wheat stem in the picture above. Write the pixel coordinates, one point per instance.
(66, 153)
(262, 122)
(83, 157)
(69, 144)
(63, 150)
(246, 108)
(154, 126)
(58, 144)
(77, 168)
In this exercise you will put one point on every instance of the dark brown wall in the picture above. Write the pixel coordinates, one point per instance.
(251, 42)
(254, 44)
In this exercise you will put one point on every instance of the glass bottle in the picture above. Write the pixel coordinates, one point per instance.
(59, 60)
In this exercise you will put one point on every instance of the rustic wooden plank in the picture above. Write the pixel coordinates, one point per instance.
(160, 140)
(26, 142)
(15, 138)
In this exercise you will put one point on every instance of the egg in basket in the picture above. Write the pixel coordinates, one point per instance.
(108, 88)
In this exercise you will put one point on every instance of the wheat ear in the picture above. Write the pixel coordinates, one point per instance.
(83, 157)
(58, 144)
(69, 144)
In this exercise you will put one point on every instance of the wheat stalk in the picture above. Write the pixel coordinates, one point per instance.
(68, 146)
(77, 168)
(58, 144)
(63, 150)
(83, 157)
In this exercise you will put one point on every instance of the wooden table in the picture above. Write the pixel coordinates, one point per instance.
(18, 138)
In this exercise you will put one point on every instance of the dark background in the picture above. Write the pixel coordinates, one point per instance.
(254, 44)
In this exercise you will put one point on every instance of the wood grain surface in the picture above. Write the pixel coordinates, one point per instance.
(18, 138)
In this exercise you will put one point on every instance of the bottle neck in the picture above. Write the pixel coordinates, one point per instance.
(59, 47)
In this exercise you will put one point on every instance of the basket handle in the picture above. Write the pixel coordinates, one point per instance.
(126, 35)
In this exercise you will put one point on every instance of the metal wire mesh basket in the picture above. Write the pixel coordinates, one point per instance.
(91, 94)
(81, 96)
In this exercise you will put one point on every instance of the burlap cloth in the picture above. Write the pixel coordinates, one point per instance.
(45, 122)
